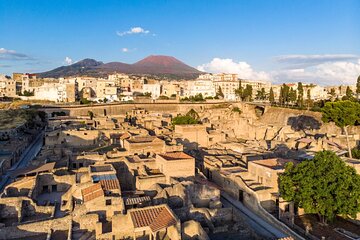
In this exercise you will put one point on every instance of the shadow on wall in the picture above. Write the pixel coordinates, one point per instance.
(21, 234)
(187, 144)
(303, 122)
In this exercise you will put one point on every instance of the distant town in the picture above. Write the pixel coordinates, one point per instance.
(120, 87)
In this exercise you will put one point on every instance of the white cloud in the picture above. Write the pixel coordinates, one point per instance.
(330, 73)
(227, 65)
(6, 51)
(298, 61)
(128, 50)
(7, 54)
(133, 30)
(68, 61)
(331, 70)
(327, 69)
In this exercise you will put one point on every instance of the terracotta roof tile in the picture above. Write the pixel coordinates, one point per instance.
(92, 192)
(154, 217)
(109, 184)
(163, 220)
(170, 156)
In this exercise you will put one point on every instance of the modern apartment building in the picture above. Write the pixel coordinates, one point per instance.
(7, 87)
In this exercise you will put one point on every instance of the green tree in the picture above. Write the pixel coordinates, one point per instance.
(247, 94)
(27, 93)
(332, 94)
(191, 117)
(91, 115)
(237, 109)
(272, 96)
(300, 100)
(261, 95)
(147, 94)
(183, 120)
(284, 94)
(84, 101)
(358, 87)
(198, 97)
(355, 152)
(343, 114)
(324, 185)
(292, 95)
(239, 91)
(220, 93)
(349, 95)
(309, 101)
(192, 113)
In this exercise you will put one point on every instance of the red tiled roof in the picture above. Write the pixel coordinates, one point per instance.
(164, 220)
(154, 217)
(175, 156)
(92, 192)
(109, 184)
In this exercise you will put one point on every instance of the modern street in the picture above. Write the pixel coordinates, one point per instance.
(28, 155)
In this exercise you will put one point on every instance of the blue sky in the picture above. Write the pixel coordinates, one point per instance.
(277, 40)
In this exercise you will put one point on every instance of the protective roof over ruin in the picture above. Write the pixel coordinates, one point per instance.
(156, 218)
(171, 156)
(92, 192)
(107, 181)
(137, 200)
(33, 170)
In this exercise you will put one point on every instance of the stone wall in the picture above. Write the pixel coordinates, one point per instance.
(149, 182)
(122, 108)
(25, 231)
(193, 230)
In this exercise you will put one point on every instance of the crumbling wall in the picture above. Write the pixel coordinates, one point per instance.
(10, 208)
(25, 231)
(203, 195)
(193, 230)
(149, 182)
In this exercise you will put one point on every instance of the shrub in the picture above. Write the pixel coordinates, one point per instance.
(236, 109)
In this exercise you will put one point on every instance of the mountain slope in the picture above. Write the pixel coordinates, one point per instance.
(164, 66)
(76, 69)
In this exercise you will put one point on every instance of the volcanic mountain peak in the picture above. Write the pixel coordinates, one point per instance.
(88, 62)
(157, 65)
(159, 60)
